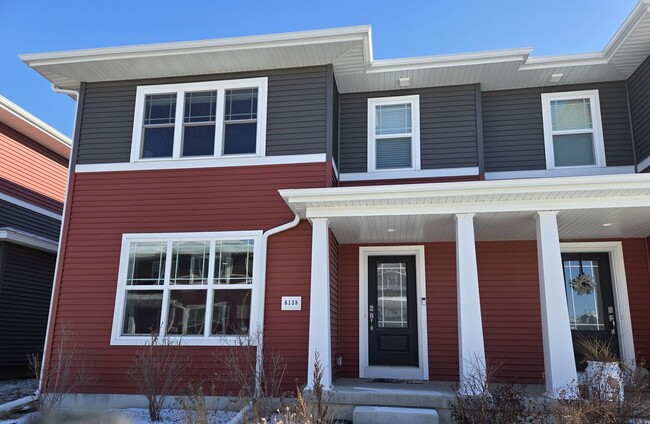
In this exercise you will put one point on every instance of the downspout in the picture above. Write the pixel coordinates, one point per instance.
(260, 346)
(71, 166)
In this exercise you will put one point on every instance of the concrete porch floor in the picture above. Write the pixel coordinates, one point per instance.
(350, 392)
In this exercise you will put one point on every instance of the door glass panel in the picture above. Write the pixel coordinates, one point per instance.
(584, 295)
(392, 309)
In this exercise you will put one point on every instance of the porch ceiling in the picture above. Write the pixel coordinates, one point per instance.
(616, 206)
(572, 224)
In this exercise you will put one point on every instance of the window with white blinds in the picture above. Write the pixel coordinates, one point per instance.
(393, 133)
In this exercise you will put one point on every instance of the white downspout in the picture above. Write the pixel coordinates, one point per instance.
(262, 290)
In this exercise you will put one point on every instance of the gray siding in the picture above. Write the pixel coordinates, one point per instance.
(448, 133)
(513, 131)
(639, 89)
(296, 113)
(27, 220)
(25, 288)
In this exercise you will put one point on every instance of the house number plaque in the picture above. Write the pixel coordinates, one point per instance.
(291, 303)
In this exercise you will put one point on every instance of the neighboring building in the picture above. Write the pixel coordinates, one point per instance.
(33, 172)
(443, 205)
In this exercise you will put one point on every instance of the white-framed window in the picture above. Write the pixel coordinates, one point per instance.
(394, 133)
(573, 132)
(212, 119)
(201, 287)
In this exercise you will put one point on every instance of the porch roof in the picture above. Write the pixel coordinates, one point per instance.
(589, 207)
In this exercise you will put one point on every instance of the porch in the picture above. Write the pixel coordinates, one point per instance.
(467, 239)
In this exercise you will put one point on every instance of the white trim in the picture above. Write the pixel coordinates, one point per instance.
(596, 130)
(30, 206)
(320, 335)
(560, 373)
(222, 162)
(336, 170)
(365, 370)
(398, 175)
(414, 101)
(471, 347)
(26, 239)
(117, 339)
(644, 164)
(619, 285)
(180, 89)
(561, 172)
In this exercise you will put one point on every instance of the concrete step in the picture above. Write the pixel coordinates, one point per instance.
(393, 415)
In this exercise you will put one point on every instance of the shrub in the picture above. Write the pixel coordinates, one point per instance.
(157, 371)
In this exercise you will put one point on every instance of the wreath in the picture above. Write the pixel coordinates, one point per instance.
(583, 284)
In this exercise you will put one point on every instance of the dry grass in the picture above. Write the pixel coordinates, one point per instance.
(600, 350)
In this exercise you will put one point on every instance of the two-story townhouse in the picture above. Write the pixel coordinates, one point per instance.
(33, 171)
(404, 218)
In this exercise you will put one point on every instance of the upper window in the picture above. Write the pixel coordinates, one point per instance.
(573, 134)
(394, 133)
(205, 119)
(199, 286)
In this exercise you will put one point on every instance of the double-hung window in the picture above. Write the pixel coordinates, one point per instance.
(198, 286)
(573, 134)
(214, 119)
(394, 133)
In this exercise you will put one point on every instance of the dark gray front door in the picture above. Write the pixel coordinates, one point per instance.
(392, 302)
(592, 313)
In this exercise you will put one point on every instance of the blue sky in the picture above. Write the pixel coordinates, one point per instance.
(400, 29)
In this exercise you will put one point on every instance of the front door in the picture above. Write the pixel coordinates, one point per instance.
(588, 285)
(392, 311)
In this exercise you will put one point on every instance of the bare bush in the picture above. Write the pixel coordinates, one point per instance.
(258, 376)
(311, 408)
(506, 403)
(65, 371)
(157, 371)
(593, 407)
(195, 407)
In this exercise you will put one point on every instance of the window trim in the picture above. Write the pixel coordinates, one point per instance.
(414, 100)
(597, 130)
(257, 304)
(180, 89)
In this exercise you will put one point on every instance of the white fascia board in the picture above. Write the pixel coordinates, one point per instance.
(201, 46)
(645, 163)
(468, 188)
(52, 138)
(26, 239)
(445, 61)
(626, 28)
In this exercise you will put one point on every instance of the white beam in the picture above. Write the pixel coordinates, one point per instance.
(320, 340)
(470, 326)
(559, 361)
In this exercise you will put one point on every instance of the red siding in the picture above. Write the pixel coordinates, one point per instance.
(31, 172)
(637, 273)
(334, 301)
(106, 205)
(510, 305)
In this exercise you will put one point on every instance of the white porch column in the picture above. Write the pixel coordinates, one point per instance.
(559, 362)
(470, 326)
(320, 339)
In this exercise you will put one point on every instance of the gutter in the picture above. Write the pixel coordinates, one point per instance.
(262, 295)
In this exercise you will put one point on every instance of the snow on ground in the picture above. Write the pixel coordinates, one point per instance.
(135, 416)
(16, 389)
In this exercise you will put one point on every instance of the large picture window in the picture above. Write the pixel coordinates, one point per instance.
(573, 134)
(393, 133)
(199, 286)
(214, 119)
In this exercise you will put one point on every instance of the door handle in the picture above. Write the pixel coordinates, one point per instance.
(371, 316)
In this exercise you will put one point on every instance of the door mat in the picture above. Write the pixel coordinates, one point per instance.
(392, 380)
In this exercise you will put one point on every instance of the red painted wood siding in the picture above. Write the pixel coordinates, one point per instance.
(637, 273)
(30, 172)
(105, 205)
(511, 312)
(334, 301)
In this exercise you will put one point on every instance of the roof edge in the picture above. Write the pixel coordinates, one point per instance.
(36, 123)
